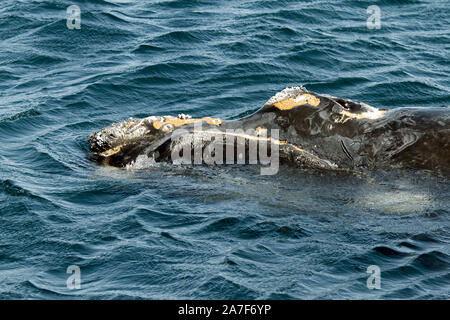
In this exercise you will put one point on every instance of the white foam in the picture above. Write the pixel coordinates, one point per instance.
(142, 162)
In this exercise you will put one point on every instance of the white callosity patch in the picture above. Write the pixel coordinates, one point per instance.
(296, 94)
(184, 116)
(168, 127)
(372, 113)
(368, 112)
(288, 93)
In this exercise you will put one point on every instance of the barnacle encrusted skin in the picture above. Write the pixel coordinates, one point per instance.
(107, 140)
(112, 135)
(288, 93)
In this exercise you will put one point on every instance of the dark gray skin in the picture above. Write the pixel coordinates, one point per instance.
(321, 132)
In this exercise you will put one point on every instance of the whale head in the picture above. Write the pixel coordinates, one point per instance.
(120, 134)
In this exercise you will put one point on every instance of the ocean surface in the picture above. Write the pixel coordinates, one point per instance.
(222, 232)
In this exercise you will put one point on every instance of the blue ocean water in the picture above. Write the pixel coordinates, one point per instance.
(212, 232)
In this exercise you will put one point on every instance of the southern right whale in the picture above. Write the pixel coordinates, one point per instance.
(315, 131)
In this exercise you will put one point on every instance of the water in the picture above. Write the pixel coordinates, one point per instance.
(204, 232)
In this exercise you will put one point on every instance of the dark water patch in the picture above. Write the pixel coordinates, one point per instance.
(405, 293)
(59, 219)
(152, 80)
(294, 232)
(114, 17)
(23, 127)
(404, 273)
(435, 214)
(250, 68)
(115, 92)
(69, 248)
(78, 42)
(409, 245)
(433, 261)
(257, 230)
(228, 289)
(290, 16)
(7, 76)
(168, 221)
(7, 254)
(407, 89)
(173, 239)
(147, 48)
(241, 49)
(15, 24)
(342, 84)
(129, 227)
(39, 59)
(40, 159)
(28, 199)
(280, 296)
(425, 238)
(176, 38)
(183, 4)
(437, 281)
(257, 254)
(269, 229)
(187, 39)
(390, 253)
(230, 262)
(11, 189)
(103, 3)
(174, 70)
(37, 289)
(107, 196)
(221, 224)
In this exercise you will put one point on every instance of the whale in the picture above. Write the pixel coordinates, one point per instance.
(306, 129)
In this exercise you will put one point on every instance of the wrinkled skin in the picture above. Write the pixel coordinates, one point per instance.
(316, 131)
